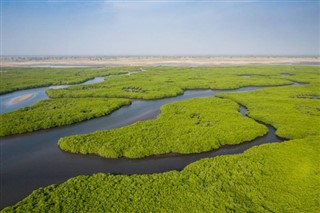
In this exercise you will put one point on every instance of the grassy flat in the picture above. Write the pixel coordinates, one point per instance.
(277, 177)
(190, 126)
(292, 110)
(57, 112)
(24, 78)
(269, 178)
(160, 82)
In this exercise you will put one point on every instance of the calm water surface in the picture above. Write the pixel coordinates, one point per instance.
(33, 160)
(39, 94)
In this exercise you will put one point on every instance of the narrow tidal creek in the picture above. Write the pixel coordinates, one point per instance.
(34, 160)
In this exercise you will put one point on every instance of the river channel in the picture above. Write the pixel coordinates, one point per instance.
(34, 160)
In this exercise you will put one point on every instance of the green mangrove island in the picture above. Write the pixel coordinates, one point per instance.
(277, 177)
(57, 112)
(190, 126)
(270, 178)
(14, 78)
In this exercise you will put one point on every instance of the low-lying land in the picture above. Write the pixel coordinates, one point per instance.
(160, 82)
(269, 178)
(278, 177)
(52, 113)
(13, 79)
(291, 110)
(191, 126)
(205, 124)
(156, 82)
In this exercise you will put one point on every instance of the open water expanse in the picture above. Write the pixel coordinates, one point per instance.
(34, 160)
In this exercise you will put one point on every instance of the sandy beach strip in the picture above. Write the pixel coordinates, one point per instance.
(153, 61)
(21, 98)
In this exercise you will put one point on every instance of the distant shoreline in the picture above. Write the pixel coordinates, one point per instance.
(52, 61)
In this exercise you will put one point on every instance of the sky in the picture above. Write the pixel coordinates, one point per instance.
(61, 27)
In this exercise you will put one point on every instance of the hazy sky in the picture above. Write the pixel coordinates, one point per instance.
(160, 27)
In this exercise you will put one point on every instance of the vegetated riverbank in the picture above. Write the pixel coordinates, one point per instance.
(14, 78)
(278, 177)
(290, 194)
(57, 112)
(164, 77)
(161, 82)
(291, 110)
(40, 93)
(264, 178)
(25, 158)
(208, 123)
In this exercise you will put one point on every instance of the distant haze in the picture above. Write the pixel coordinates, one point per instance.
(159, 27)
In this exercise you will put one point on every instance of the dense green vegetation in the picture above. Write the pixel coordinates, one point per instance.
(278, 177)
(209, 123)
(302, 74)
(23, 78)
(290, 109)
(269, 178)
(191, 126)
(52, 113)
(159, 82)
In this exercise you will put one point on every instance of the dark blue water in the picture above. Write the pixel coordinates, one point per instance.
(33, 160)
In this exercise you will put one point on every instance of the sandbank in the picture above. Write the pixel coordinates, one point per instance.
(154, 61)
(21, 98)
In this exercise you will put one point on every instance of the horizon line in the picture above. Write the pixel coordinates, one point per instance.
(160, 55)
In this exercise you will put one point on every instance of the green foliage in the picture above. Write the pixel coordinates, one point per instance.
(160, 82)
(278, 177)
(269, 178)
(191, 126)
(290, 109)
(23, 78)
(57, 112)
(302, 74)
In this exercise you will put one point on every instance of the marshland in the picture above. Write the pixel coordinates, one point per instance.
(159, 106)
(194, 129)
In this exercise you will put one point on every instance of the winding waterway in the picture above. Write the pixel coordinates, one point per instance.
(33, 160)
(37, 94)
(6, 100)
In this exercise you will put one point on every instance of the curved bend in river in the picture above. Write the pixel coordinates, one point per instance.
(208, 123)
(28, 159)
(23, 98)
(34, 160)
(16, 100)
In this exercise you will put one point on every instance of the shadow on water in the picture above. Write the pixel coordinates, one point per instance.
(33, 160)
